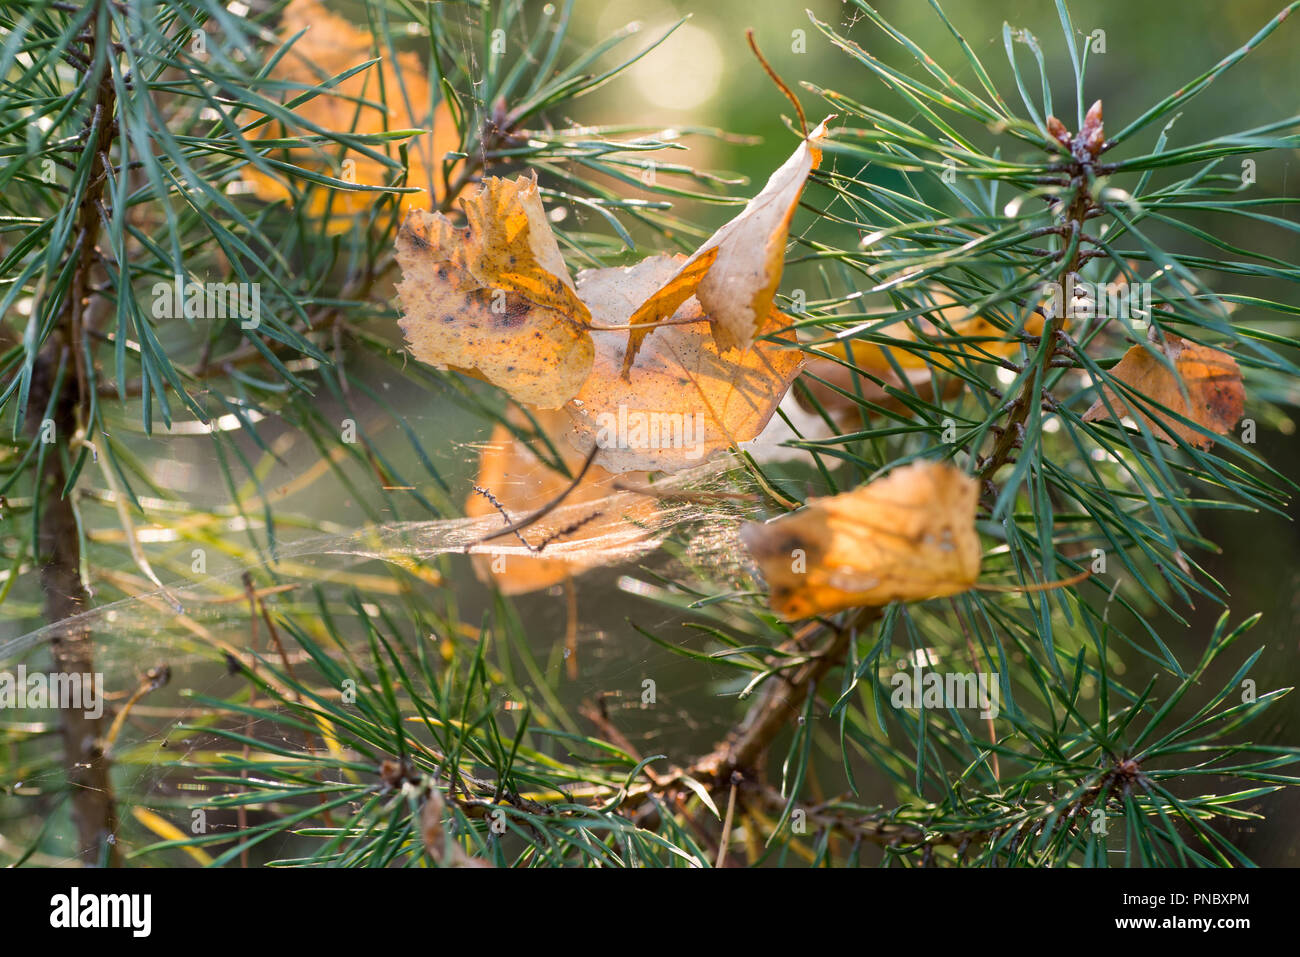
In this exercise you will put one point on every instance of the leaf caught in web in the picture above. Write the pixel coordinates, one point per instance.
(1207, 390)
(494, 299)
(331, 46)
(684, 400)
(907, 536)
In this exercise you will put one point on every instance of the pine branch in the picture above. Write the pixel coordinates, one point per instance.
(59, 537)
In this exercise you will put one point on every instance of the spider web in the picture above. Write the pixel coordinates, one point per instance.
(190, 630)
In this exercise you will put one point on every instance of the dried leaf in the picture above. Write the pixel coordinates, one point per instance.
(975, 336)
(494, 299)
(444, 852)
(907, 536)
(737, 289)
(1207, 390)
(684, 401)
(332, 46)
(664, 303)
(521, 483)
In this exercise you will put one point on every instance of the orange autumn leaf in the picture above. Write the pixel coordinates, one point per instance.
(1207, 390)
(603, 523)
(735, 274)
(907, 536)
(684, 400)
(664, 303)
(330, 46)
(974, 336)
(494, 298)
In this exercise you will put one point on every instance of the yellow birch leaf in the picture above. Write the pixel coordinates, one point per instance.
(494, 299)
(1207, 389)
(907, 536)
(737, 288)
(664, 303)
(683, 401)
(331, 46)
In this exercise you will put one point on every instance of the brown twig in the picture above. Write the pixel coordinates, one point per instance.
(745, 747)
(780, 84)
(598, 714)
(58, 539)
(1082, 168)
(540, 546)
(536, 516)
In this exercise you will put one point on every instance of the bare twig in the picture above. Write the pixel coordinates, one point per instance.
(536, 516)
